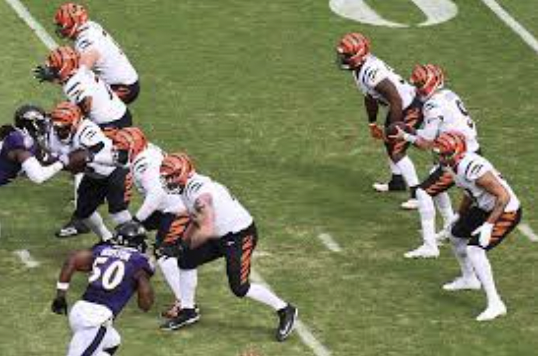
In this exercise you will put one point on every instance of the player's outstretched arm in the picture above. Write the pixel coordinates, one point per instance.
(35, 171)
(77, 261)
(144, 290)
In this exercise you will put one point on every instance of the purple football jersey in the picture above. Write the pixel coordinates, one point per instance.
(112, 282)
(17, 139)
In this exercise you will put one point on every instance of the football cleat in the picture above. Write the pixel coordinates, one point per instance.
(396, 184)
(287, 317)
(184, 317)
(172, 311)
(424, 251)
(73, 228)
(411, 204)
(462, 283)
(492, 311)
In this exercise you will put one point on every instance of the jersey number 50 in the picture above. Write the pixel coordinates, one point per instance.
(112, 275)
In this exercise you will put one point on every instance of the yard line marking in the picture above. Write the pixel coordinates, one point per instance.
(26, 258)
(39, 30)
(527, 231)
(329, 242)
(513, 24)
(304, 332)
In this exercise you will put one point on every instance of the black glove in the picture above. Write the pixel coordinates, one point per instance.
(59, 306)
(175, 249)
(44, 74)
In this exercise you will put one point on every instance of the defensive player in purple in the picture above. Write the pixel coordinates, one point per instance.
(118, 270)
(19, 148)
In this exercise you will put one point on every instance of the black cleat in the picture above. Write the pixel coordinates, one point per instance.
(184, 317)
(73, 228)
(287, 317)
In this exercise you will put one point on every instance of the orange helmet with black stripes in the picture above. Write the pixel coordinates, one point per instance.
(130, 140)
(450, 147)
(176, 169)
(69, 18)
(63, 61)
(427, 78)
(352, 50)
(66, 118)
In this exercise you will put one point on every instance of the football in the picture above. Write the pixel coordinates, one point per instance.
(77, 161)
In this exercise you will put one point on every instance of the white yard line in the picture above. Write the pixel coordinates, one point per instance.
(26, 258)
(329, 242)
(39, 30)
(526, 230)
(302, 330)
(513, 24)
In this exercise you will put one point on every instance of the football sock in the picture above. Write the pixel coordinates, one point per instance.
(426, 210)
(121, 217)
(459, 247)
(188, 280)
(263, 295)
(77, 178)
(482, 267)
(171, 272)
(443, 203)
(408, 171)
(96, 224)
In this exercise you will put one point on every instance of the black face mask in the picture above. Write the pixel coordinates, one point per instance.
(342, 60)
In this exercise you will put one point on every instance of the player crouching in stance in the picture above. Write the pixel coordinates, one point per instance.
(488, 212)
(20, 149)
(221, 227)
(160, 211)
(381, 86)
(443, 111)
(118, 270)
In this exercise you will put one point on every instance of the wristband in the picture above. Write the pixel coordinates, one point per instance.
(409, 138)
(62, 286)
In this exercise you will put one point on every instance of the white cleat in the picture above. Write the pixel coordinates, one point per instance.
(381, 187)
(424, 251)
(461, 283)
(411, 204)
(492, 312)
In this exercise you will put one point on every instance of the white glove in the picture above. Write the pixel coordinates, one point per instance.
(485, 231)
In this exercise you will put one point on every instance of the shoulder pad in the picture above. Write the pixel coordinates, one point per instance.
(475, 169)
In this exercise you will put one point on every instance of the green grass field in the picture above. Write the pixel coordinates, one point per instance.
(249, 88)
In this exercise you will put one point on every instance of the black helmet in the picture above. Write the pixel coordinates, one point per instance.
(32, 119)
(130, 234)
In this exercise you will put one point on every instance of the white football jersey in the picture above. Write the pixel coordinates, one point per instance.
(444, 111)
(471, 168)
(106, 106)
(113, 66)
(88, 135)
(147, 179)
(230, 215)
(372, 72)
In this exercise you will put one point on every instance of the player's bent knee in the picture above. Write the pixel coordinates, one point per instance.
(240, 290)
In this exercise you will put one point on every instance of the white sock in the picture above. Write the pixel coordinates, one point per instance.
(426, 210)
(188, 280)
(394, 169)
(96, 224)
(170, 270)
(408, 171)
(263, 295)
(122, 217)
(459, 247)
(482, 268)
(443, 203)
(77, 178)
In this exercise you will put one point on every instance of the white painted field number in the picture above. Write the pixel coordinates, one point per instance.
(436, 11)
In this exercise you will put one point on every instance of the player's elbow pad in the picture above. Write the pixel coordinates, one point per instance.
(38, 173)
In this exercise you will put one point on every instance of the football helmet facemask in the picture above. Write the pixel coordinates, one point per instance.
(450, 147)
(128, 143)
(352, 51)
(63, 62)
(69, 18)
(131, 234)
(66, 118)
(33, 120)
(427, 78)
(176, 169)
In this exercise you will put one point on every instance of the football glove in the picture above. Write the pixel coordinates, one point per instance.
(484, 231)
(376, 131)
(44, 74)
(59, 305)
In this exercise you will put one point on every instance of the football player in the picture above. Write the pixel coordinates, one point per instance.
(381, 86)
(160, 211)
(20, 149)
(443, 111)
(98, 51)
(101, 179)
(221, 227)
(118, 270)
(488, 212)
